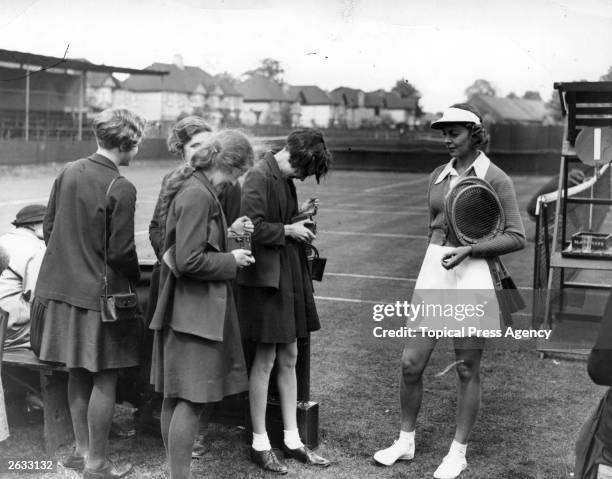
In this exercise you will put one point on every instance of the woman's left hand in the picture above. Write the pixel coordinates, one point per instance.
(242, 225)
(310, 205)
(456, 256)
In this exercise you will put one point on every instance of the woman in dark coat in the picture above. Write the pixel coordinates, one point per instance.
(70, 284)
(275, 297)
(186, 138)
(197, 353)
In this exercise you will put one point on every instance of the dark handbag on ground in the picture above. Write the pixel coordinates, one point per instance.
(115, 307)
(316, 264)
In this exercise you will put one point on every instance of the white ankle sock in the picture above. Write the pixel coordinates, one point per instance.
(406, 438)
(292, 439)
(261, 442)
(457, 448)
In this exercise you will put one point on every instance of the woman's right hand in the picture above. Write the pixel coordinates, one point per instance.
(243, 257)
(300, 232)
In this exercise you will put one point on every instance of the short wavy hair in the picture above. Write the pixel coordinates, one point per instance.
(308, 154)
(118, 128)
(479, 135)
(183, 131)
(228, 150)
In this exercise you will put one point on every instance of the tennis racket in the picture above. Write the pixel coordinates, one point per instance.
(473, 211)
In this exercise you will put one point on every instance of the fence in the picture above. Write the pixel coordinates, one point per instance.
(518, 149)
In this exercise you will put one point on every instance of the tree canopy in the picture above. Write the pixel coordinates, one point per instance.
(270, 68)
(406, 89)
(532, 95)
(480, 87)
(607, 76)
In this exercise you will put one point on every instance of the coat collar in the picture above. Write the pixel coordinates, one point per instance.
(273, 164)
(201, 177)
(480, 167)
(104, 161)
(23, 232)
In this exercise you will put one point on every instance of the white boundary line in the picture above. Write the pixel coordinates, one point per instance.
(377, 235)
(347, 300)
(27, 200)
(368, 276)
(376, 212)
(394, 185)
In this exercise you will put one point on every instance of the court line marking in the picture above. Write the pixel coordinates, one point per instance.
(369, 276)
(358, 205)
(377, 235)
(347, 300)
(395, 278)
(394, 185)
(27, 200)
(382, 212)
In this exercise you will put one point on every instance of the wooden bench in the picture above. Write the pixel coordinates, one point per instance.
(233, 410)
(54, 391)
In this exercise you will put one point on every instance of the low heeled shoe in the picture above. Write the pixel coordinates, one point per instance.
(305, 455)
(73, 461)
(267, 460)
(109, 471)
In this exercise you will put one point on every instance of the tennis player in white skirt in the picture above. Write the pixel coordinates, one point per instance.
(450, 266)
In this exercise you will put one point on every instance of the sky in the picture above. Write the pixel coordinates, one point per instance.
(440, 46)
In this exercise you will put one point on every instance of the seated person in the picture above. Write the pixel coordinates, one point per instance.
(575, 176)
(4, 430)
(25, 247)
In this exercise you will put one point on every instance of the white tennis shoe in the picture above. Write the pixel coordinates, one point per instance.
(396, 452)
(452, 465)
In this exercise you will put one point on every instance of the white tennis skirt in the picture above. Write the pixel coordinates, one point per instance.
(461, 297)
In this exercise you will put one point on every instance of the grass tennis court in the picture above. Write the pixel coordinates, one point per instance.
(372, 228)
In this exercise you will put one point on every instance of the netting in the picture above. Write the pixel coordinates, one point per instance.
(474, 211)
(579, 217)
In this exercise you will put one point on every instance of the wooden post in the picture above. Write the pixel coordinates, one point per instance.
(27, 105)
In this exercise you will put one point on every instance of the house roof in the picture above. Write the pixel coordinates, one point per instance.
(390, 100)
(308, 95)
(510, 109)
(260, 88)
(16, 59)
(227, 87)
(98, 80)
(346, 95)
(181, 80)
(375, 99)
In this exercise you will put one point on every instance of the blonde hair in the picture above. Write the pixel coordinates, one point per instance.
(226, 150)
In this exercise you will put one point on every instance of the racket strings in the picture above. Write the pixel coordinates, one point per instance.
(473, 211)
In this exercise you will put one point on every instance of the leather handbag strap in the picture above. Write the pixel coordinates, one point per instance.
(108, 190)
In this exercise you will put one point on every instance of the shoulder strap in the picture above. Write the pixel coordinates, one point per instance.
(106, 196)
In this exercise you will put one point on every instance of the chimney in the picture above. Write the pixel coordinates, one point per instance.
(177, 60)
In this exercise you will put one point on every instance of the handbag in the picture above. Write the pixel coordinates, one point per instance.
(508, 296)
(316, 264)
(115, 307)
(38, 312)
